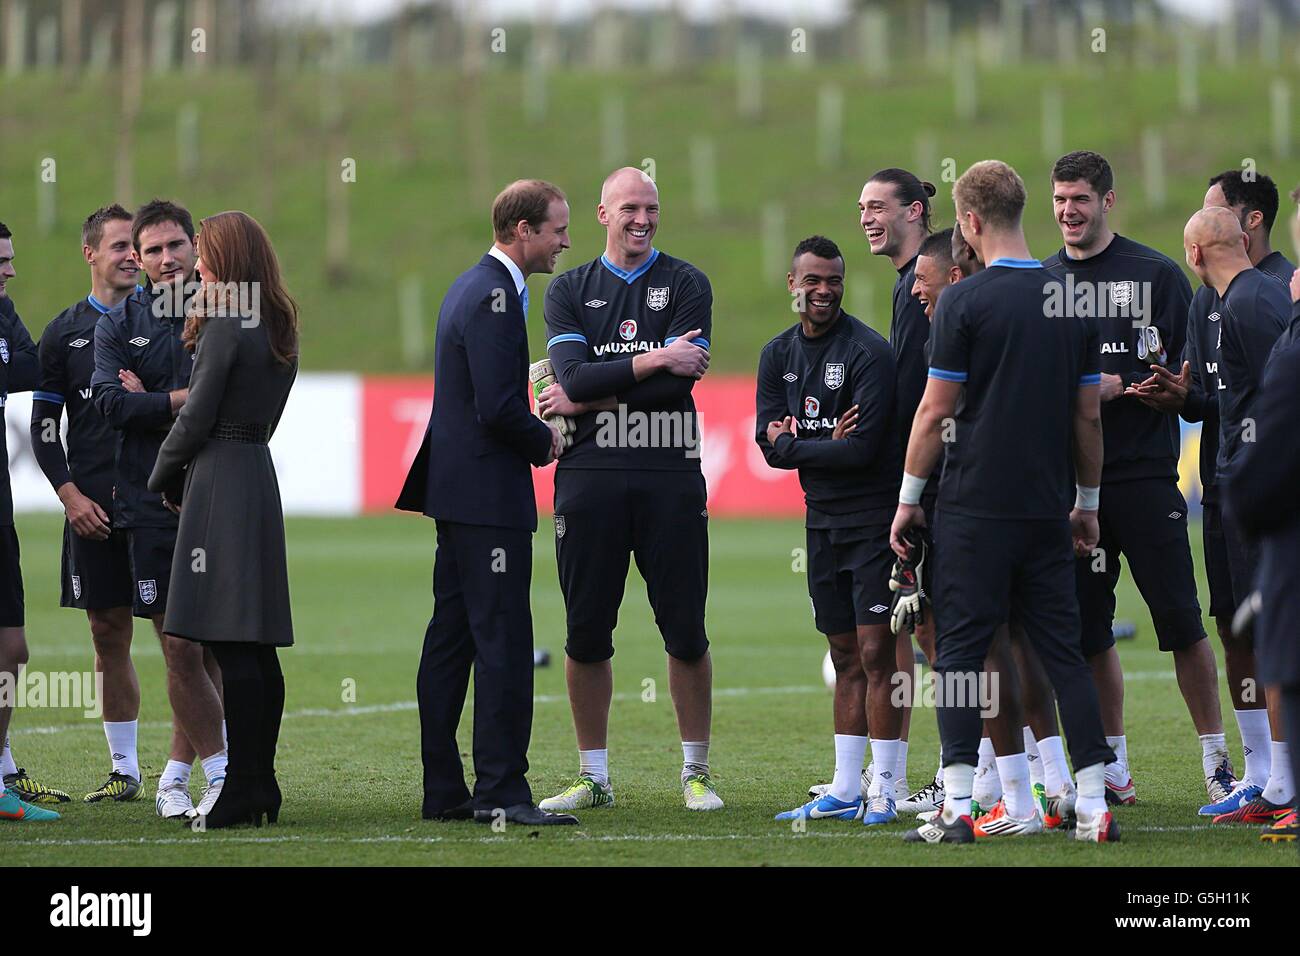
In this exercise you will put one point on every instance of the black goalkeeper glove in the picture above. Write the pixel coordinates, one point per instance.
(907, 581)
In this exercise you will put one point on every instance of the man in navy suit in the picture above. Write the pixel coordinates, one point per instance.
(472, 477)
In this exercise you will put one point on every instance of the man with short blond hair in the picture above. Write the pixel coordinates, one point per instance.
(96, 566)
(1006, 373)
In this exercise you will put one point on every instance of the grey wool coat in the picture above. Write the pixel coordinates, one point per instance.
(229, 577)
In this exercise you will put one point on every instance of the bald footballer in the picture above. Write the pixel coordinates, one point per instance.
(628, 336)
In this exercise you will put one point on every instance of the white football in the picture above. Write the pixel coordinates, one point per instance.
(828, 671)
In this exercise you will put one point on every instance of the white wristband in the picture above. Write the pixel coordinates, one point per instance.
(910, 492)
(1087, 499)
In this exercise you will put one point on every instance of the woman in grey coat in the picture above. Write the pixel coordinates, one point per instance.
(229, 583)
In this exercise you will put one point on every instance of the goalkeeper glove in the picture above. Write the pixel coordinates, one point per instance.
(542, 376)
(907, 581)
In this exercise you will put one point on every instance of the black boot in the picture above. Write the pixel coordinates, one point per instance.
(242, 691)
(236, 806)
(272, 709)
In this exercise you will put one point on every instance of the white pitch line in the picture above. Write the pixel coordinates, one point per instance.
(406, 705)
(575, 837)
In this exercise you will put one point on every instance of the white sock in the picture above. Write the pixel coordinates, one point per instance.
(121, 746)
(1056, 772)
(900, 772)
(214, 766)
(1255, 742)
(175, 774)
(1092, 790)
(695, 757)
(1014, 773)
(938, 773)
(987, 786)
(1280, 788)
(1214, 751)
(594, 764)
(957, 781)
(1118, 772)
(850, 752)
(7, 765)
(1034, 756)
(884, 754)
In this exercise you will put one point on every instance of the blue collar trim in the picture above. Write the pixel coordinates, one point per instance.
(98, 306)
(638, 272)
(1016, 263)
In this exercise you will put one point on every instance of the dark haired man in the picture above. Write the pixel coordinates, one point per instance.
(471, 475)
(141, 381)
(894, 213)
(1140, 298)
(1194, 393)
(1256, 312)
(628, 335)
(962, 253)
(1262, 499)
(935, 270)
(96, 570)
(825, 406)
(19, 371)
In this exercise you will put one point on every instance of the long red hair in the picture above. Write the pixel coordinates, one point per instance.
(237, 251)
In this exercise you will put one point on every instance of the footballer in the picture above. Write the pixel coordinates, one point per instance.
(1140, 299)
(825, 407)
(628, 336)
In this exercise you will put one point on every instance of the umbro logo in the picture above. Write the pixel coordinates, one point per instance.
(78, 343)
(879, 609)
(595, 303)
(1175, 515)
(139, 340)
(790, 377)
(1214, 317)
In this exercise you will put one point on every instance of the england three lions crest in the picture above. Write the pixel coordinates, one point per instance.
(1121, 293)
(834, 377)
(656, 299)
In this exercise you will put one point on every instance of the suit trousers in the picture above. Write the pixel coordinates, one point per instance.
(481, 618)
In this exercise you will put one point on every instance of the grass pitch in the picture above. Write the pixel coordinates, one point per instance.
(351, 770)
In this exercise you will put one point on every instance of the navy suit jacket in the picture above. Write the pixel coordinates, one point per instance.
(473, 466)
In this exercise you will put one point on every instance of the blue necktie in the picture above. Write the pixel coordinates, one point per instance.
(523, 297)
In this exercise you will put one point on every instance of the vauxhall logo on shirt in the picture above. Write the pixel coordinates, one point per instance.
(813, 419)
(627, 332)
